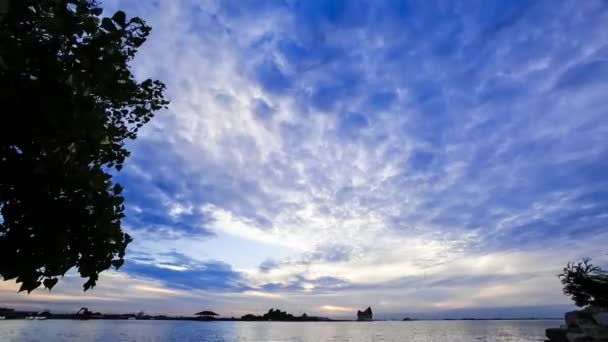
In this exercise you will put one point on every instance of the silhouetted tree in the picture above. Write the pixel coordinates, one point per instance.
(84, 312)
(277, 315)
(69, 102)
(585, 283)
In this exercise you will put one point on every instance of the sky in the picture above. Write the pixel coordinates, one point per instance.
(436, 158)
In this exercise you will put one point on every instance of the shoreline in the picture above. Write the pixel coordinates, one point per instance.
(291, 321)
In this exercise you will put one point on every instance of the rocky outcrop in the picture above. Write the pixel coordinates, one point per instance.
(556, 334)
(588, 325)
(365, 315)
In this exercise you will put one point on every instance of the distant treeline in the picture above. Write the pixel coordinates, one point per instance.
(278, 315)
(85, 314)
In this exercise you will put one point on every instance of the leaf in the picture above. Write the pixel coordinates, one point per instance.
(90, 24)
(50, 282)
(120, 18)
(23, 287)
(137, 21)
(118, 263)
(108, 25)
(89, 284)
(137, 41)
(29, 287)
(96, 11)
(117, 188)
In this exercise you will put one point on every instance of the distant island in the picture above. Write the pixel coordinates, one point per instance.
(274, 315)
(278, 315)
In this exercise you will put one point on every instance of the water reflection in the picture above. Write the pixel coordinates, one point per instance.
(418, 331)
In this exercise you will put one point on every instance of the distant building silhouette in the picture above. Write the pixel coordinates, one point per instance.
(365, 315)
(206, 314)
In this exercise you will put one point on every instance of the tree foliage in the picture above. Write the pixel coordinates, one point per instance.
(585, 283)
(69, 103)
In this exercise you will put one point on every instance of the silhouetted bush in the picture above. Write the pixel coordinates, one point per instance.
(585, 283)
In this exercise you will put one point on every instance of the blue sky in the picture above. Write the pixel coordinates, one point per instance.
(323, 156)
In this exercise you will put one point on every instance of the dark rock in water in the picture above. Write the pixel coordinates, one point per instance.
(594, 330)
(578, 337)
(581, 326)
(601, 318)
(365, 315)
(556, 334)
(572, 318)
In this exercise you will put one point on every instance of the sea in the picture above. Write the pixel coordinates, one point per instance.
(227, 331)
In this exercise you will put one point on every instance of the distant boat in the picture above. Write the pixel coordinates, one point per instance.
(131, 318)
(31, 318)
(40, 318)
(2, 317)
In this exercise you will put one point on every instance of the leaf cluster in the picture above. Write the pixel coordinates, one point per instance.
(69, 102)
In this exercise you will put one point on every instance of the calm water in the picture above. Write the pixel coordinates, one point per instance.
(122, 331)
